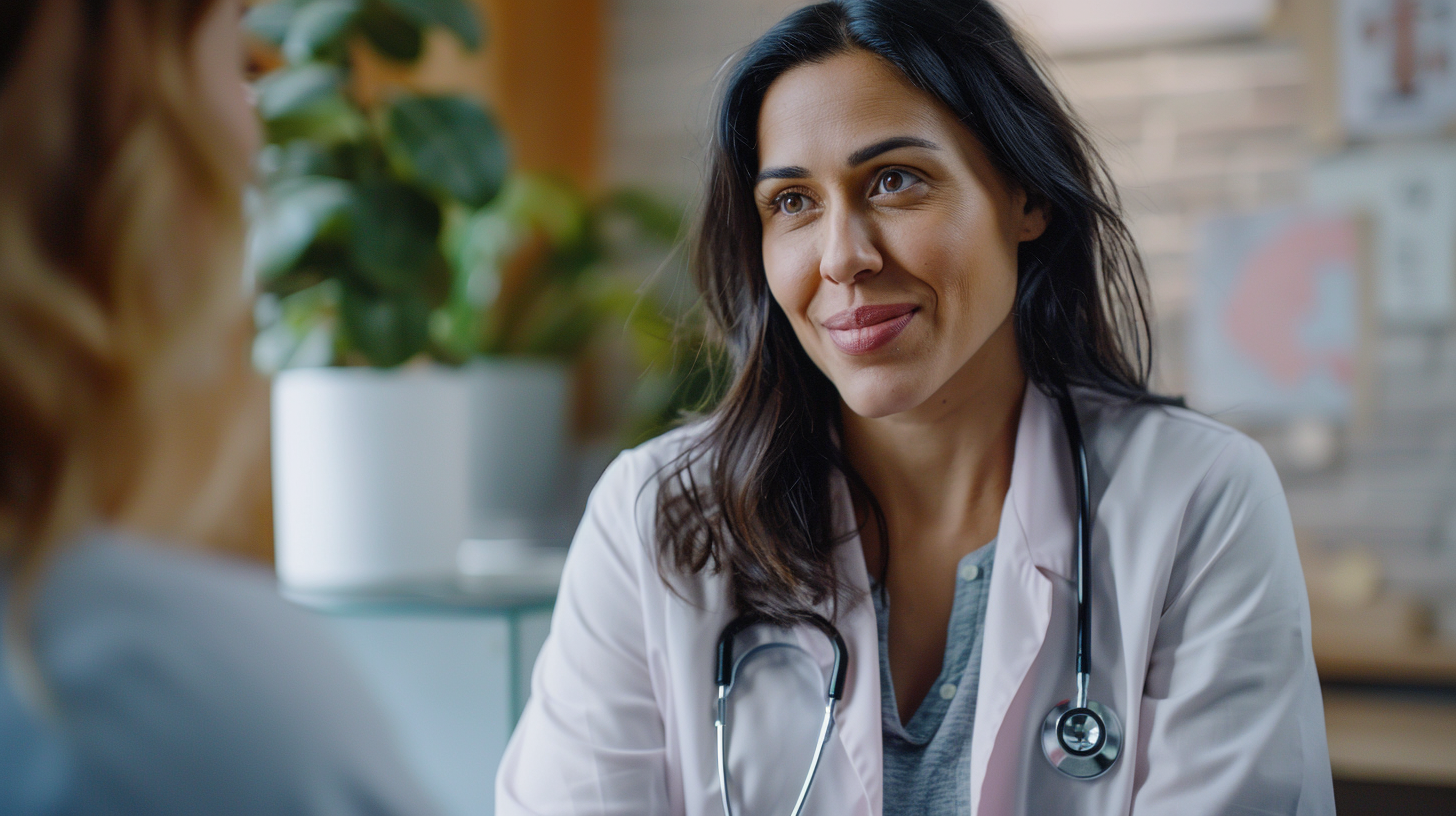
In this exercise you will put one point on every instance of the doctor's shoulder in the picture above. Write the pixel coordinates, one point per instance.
(622, 512)
(1173, 448)
(1210, 489)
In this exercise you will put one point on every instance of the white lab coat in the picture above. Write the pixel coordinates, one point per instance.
(1200, 631)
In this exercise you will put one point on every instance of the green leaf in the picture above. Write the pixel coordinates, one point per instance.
(558, 323)
(317, 26)
(451, 145)
(482, 246)
(270, 21)
(455, 331)
(298, 330)
(656, 219)
(456, 15)
(391, 33)
(387, 330)
(325, 258)
(394, 235)
(554, 207)
(292, 215)
(329, 122)
(299, 157)
(290, 91)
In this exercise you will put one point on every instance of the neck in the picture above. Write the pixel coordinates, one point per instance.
(941, 470)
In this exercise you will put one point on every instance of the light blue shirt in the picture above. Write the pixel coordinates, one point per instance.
(928, 759)
(175, 683)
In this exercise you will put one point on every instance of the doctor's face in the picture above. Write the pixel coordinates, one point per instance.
(889, 240)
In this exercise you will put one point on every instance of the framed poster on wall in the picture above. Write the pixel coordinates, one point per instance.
(1397, 66)
(1276, 322)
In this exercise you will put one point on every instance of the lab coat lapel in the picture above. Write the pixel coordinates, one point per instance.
(857, 727)
(1034, 542)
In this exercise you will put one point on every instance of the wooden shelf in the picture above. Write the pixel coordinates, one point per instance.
(1381, 737)
(1389, 661)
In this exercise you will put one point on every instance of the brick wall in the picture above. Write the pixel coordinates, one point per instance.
(1195, 131)
(1190, 132)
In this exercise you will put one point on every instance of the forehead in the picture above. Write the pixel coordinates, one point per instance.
(831, 108)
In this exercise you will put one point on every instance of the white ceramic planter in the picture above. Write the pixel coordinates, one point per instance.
(519, 438)
(371, 474)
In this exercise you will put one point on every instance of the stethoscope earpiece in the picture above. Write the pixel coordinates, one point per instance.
(726, 669)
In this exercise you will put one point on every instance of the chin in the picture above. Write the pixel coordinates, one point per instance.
(874, 396)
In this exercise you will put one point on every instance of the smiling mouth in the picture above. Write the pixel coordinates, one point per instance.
(869, 328)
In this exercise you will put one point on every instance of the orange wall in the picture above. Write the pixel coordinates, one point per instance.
(540, 70)
(547, 58)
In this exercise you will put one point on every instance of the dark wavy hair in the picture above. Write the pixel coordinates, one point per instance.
(751, 496)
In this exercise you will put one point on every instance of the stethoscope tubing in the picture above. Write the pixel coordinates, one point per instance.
(1084, 764)
(1071, 724)
(1084, 545)
(725, 686)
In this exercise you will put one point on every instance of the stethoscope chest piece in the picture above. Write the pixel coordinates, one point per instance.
(1081, 742)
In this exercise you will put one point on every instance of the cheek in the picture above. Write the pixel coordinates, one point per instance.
(974, 272)
(792, 278)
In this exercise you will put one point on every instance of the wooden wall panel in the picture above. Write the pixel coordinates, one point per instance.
(540, 70)
(546, 63)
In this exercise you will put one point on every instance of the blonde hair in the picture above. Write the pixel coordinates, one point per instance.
(120, 241)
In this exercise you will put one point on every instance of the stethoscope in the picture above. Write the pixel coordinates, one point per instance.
(1080, 737)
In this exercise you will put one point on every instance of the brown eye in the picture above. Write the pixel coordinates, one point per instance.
(792, 203)
(894, 181)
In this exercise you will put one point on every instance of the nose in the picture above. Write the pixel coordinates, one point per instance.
(850, 252)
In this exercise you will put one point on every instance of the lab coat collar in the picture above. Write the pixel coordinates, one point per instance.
(1042, 493)
(1033, 542)
(857, 726)
(1042, 498)
(1034, 539)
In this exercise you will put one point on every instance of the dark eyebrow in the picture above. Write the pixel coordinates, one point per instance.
(856, 158)
(864, 154)
(781, 173)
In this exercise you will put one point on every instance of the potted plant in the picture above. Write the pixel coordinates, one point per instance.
(539, 273)
(371, 480)
(419, 304)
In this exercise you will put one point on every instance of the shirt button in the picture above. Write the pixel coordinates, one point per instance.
(947, 691)
(970, 572)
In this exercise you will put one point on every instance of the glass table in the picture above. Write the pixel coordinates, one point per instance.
(450, 663)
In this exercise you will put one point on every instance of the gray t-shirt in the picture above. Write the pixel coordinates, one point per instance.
(175, 683)
(928, 759)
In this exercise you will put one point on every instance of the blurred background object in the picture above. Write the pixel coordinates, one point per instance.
(391, 232)
(463, 325)
(128, 137)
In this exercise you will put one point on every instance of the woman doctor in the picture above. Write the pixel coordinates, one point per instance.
(928, 294)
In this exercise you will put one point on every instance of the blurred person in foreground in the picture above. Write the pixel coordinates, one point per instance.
(137, 678)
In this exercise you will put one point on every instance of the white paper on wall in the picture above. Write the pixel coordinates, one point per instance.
(1410, 193)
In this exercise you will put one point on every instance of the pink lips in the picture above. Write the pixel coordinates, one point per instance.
(863, 330)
